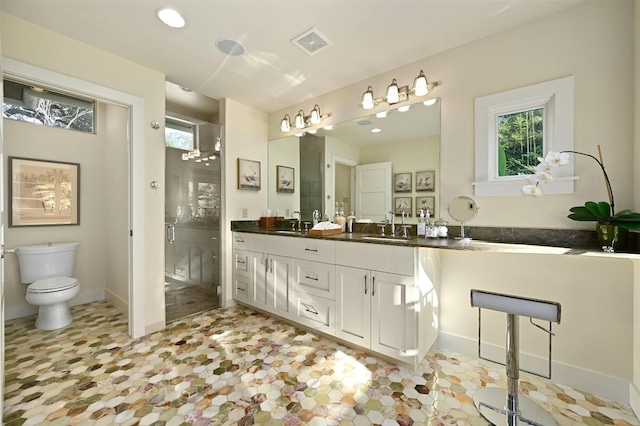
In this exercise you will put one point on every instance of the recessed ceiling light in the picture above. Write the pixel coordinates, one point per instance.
(328, 127)
(171, 18)
(376, 130)
(230, 47)
(381, 114)
(404, 108)
(430, 102)
(185, 89)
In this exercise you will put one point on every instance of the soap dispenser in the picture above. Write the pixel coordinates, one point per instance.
(422, 225)
(431, 230)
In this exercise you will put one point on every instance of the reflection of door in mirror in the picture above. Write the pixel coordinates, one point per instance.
(373, 191)
(343, 187)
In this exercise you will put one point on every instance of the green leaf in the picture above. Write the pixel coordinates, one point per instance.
(599, 210)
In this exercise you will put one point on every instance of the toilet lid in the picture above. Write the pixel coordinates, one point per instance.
(49, 285)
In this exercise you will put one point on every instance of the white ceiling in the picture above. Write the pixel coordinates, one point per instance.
(368, 37)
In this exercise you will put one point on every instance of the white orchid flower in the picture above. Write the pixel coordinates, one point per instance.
(548, 168)
(556, 158)
(544, 177)
(532, 190)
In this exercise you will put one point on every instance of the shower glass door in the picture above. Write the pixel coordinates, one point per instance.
(192, 225)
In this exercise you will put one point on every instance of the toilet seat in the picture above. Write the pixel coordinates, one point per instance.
(52, 285)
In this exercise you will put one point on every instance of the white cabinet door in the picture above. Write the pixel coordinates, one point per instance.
(353, 307)
(279, 285)
(393, 317)
(270, 283)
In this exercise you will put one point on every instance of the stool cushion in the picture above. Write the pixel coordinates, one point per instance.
(532, 308)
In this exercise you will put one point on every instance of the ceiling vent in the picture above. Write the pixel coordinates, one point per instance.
(311, 41)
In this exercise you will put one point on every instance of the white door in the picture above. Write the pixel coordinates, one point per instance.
(353, 307)
(373, 191)
(392, 316)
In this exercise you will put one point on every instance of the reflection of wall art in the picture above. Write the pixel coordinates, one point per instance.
(402, 204)
(425, 181)
(286, 181)
(43, 192)
(402, 182)
(426, 203)
(248, 174)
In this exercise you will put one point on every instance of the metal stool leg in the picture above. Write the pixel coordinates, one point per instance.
(489, 400)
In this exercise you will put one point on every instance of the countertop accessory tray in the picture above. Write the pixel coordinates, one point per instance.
(325, 231)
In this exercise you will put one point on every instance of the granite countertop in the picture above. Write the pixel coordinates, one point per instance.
(450, 243)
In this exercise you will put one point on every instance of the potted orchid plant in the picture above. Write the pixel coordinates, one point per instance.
(612, 228)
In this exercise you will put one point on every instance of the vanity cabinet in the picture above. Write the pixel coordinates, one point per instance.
(363, 293)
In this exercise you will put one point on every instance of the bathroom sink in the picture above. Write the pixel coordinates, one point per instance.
(386, 239)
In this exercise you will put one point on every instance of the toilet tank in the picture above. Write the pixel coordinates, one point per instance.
(46, 261)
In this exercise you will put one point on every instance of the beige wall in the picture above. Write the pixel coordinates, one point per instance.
(34, 45)
(284, 152)
(245, 136)
(550, 48)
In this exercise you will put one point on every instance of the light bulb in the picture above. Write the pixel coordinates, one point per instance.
(392, 93)
(420, 86)
(367, 99)
(315, 115)
(285, 124)
(300, 120)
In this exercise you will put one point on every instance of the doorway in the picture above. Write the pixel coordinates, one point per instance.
(192, 221)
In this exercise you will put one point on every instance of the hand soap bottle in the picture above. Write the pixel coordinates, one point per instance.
(431, 229)
(422, 225)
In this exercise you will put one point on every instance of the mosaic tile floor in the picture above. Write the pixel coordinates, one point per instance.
(238, 367)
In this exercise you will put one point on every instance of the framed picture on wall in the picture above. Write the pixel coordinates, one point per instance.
(402, 182)
(248, 174)
(425, 181)
(402, 204)
(426, 203)
(286, 176)
(43, 193)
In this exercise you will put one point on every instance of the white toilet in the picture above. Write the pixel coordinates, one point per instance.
(47, 268)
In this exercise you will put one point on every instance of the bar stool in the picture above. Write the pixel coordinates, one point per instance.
(489, 401)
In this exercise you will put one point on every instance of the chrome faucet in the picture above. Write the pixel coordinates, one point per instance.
(393, 223)
(298, 220)
(404, 226)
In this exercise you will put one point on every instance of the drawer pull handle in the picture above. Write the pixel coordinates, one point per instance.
(365, 284)
(310, 308)
(241, 261)
(373, 286)
(308, 249)
(241, 289)
(239, 240)
(311, 278)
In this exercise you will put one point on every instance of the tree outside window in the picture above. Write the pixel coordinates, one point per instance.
(520, 141)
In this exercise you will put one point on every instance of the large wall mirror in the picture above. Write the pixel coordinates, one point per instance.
(334, 166)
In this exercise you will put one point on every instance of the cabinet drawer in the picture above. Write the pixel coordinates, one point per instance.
(377, 257)
(241, 263)
(241, 288)
(241, 241)
(315, 312)
(313, 249)
(314, 278)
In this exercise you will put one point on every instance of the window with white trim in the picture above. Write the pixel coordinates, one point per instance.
(514, 128)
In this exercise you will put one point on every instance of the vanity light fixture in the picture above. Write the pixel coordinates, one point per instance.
(397, 94)
(301, 121)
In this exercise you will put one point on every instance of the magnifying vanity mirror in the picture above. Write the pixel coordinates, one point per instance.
(463, 209)
(353, 164)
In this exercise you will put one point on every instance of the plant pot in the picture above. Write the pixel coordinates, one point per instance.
(612, 235)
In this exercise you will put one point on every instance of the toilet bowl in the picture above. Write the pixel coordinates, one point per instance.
(47, 268)
(52, 295)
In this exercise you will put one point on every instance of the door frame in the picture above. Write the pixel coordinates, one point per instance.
(136, 108)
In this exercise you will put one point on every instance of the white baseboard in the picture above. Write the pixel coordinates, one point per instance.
(25, 310)
(119, 303)
(634, 399)
(611, 387)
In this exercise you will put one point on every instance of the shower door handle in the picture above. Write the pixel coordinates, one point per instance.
(171, 233)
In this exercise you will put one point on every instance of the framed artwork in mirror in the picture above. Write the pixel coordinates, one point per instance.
(402, 204)
(402, 182)
(248, 174)
(425, 181)
(286, 177)
(426, 203)
(43, 193)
